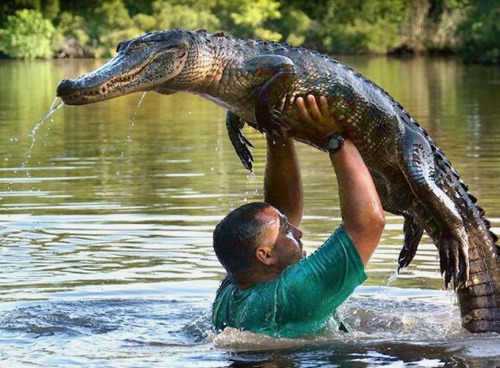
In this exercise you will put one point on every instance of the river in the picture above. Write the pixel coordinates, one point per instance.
(105, 227)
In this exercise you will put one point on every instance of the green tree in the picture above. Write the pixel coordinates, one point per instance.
(112, 23)
(480, 32)
(362, 26)
(251, 16)
(50, 9)
(27, 35)
(297, 24)
(177, 14)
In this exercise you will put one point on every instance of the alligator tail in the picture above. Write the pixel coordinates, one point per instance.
(479, 301)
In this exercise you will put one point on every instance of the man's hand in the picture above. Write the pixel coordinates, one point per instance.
(318, 117)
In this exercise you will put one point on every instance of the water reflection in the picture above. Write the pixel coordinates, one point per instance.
(107, 230)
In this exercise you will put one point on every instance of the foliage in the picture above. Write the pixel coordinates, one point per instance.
(480, 33)
(112, 23)
(170, 15)
(50, 9)
(27, 35)
(249, 18)
(362, 26)
(95, 27)
(298, 25)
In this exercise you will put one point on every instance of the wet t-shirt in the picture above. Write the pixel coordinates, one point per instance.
(302, 300)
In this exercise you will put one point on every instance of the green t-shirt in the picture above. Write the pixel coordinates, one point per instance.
(302, 300)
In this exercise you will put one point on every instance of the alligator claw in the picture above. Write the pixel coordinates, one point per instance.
(238, 140)
(269, 121)
(413, 233)
(454, 257)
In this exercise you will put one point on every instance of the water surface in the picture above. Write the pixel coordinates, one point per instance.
(105, 230)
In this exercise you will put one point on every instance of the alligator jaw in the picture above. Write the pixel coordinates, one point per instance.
(115, 78)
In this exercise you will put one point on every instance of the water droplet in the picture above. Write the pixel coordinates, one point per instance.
(141, 99)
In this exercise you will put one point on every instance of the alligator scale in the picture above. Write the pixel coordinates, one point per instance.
(257, 83)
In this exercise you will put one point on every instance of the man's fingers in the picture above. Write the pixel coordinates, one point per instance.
(303, 112)
(323, 106)
(313, 108)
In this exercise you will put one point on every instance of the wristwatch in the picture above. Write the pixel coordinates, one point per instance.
(335, 143)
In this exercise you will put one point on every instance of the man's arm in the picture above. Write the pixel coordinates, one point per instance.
(359, 202)
(282, 179)
(360, 205)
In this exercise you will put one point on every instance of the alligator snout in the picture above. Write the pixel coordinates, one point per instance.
(66, 87)
(74, 92)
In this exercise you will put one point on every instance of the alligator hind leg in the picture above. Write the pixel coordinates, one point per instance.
(453, 242)
(278, 75)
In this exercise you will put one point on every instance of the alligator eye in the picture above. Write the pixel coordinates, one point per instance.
(136, 46)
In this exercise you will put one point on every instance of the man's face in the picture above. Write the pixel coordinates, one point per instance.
(282, 237)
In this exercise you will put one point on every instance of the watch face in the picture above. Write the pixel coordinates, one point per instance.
(335, 143)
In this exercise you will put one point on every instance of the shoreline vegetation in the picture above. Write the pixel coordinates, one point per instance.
(45, 29)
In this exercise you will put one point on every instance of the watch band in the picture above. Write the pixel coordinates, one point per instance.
(335, 143)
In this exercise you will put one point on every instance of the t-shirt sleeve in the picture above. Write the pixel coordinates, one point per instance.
(310, 290)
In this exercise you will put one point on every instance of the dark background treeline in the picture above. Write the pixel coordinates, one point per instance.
(92, 28)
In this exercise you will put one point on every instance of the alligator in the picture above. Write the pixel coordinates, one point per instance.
(258, 82)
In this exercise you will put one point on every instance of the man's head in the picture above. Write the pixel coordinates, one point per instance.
(256, 241)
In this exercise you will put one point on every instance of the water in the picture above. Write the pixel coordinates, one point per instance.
(56, 104)
(105, 237)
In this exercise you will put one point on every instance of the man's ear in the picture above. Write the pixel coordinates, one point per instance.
(265, 256)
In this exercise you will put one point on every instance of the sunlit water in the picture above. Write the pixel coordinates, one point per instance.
(105, 250)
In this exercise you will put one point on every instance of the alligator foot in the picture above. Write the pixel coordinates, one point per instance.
(454, 257)
(279, 74)
(234, 124)
(413, 233)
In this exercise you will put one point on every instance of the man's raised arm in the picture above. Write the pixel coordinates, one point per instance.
(360, 206)
(282, 179)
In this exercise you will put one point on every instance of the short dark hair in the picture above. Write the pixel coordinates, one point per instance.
(236, 235)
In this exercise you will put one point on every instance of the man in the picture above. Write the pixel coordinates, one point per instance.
(271, 287)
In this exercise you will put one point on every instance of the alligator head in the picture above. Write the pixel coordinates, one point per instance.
(145, 63)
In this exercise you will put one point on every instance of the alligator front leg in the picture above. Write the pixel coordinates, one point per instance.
(453, 242)
(234, 124)
(278, 74)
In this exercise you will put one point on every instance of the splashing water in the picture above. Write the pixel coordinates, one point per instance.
(252, 180)
(56, 105)
(393, 278)
(132, 123)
